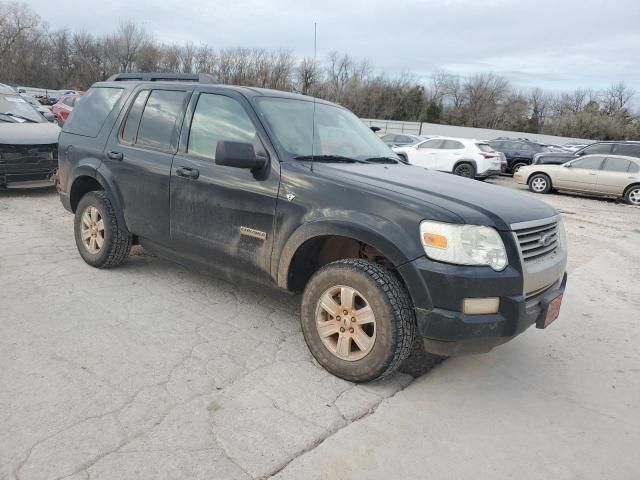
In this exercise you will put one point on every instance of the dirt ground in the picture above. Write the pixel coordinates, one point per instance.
(152, 371)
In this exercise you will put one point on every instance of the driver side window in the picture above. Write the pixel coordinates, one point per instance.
(218, 118)
(435, 143)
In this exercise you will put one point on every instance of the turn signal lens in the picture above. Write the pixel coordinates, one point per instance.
(480, 306)
(434, 240)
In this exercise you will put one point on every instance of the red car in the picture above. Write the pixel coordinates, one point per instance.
(64, 106)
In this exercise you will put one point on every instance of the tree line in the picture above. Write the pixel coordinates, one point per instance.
(34, 55)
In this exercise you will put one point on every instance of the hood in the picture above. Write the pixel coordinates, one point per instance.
(28, 133)
(475, 202)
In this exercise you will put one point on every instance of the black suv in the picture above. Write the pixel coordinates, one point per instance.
(519, 151)
(298, 193)
(624, 148)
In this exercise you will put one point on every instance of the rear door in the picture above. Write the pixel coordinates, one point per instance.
(451, 151)
(219, 214)
(581, 174)
(138, 157)
(614, 176)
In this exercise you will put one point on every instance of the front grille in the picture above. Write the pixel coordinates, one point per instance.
(539, 241)
(28, 158)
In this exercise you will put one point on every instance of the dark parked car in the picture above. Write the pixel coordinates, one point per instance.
(298, 193)
(28, 143)
(519, 151)
(623, 148)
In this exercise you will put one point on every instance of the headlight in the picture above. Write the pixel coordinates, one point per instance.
(463, 244)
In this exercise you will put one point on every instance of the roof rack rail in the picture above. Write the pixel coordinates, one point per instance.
(162, 77)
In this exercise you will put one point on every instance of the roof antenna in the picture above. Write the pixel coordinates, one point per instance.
(313, 121)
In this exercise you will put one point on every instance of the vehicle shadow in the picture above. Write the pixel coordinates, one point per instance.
(27, 192)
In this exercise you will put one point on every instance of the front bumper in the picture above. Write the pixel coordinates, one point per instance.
(519, 177)
(438, 291)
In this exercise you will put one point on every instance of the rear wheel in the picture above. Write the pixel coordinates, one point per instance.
(540, 183)
(101, 241)
(632, 196)
(357, 320)
(465, 170)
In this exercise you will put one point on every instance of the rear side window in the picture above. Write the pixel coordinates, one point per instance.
(90, 114)
(452, 145)
(130, 129)
(158, 125)
(218, 118)
(634, 168)
(616, 165)
(628, 149)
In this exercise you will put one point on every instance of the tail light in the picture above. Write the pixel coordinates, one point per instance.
(488, 155)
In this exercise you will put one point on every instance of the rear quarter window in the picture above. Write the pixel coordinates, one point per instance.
(630, 150)
(90, 114)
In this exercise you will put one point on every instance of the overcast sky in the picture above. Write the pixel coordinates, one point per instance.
(555, 44)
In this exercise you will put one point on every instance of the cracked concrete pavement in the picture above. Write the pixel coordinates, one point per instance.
(154, 371)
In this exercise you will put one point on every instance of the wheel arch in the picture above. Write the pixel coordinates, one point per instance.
(87, 179)
(466, 160)
(329, 241)
(629, 187)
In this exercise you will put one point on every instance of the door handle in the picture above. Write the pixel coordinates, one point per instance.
(186, 172)
(115, 155)
(591, 173)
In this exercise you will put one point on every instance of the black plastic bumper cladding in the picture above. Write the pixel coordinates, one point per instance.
(27, 162)
(446, 330)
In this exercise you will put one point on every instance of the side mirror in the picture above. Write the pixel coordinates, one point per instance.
(238, 155)
(566, 165)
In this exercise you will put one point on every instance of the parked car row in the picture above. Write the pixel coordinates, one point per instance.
(601, 174)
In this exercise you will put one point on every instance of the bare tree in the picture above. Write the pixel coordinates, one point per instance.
(616, 98)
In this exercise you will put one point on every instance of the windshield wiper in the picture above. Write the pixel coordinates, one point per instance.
(383, 160)
(26, 119)
(329, 158)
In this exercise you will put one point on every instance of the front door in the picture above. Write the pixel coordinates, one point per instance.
(138, 157)
(223, 215)
(580, 175)
(425, 154)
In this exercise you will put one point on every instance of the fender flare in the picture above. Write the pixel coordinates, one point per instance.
(466, 160)
(104, 178)
(327, 227)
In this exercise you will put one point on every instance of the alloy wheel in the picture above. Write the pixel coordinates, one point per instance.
(92, 232)
(538, 184)
(634, 196)
(346, 323)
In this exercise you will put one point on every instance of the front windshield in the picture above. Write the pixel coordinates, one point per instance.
(338, 132)
(17, 109)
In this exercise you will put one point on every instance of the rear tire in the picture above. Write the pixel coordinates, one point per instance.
(102, 242)
(540, 183)
(377, 306)
(632, 195)
(465, 170)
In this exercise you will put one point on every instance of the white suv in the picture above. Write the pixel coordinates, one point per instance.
(461, 156)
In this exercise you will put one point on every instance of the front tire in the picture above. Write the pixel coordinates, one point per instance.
(465, 170)
(375, 334)
(632, 196)
(540, 183)
(517, 166)
(101, 241)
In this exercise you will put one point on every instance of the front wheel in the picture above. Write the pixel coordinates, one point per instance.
(465, 170)
(357, 320)
(540, 183)
(101, 241)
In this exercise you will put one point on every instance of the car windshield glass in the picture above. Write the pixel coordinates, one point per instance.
(19, 108)
(338, 132)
